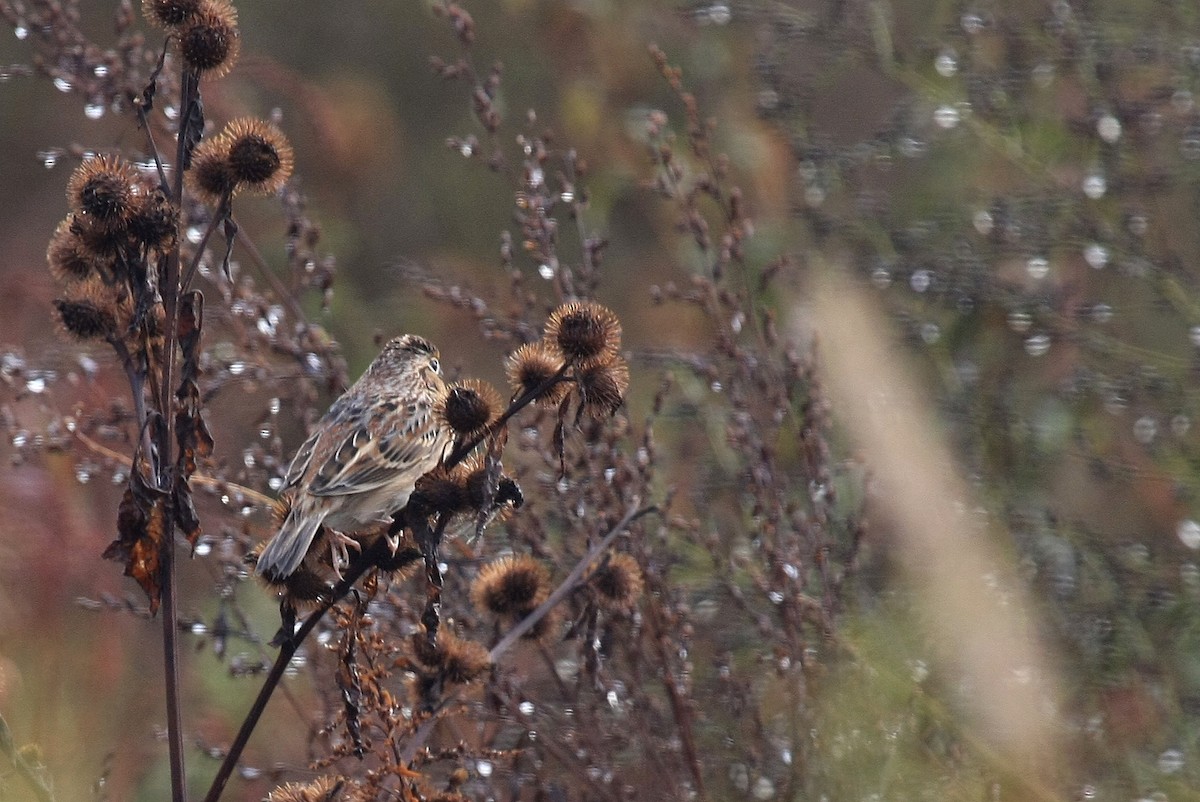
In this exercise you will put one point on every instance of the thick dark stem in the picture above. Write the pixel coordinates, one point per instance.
(166, 467)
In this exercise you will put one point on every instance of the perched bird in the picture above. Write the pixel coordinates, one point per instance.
(363, 460)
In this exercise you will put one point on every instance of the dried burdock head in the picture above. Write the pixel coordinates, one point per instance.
(512, 585)
(98, 239)
(602, 387)
(209, 41)
(452, 658)
(303, 588)
(617, 583)
(84, 320)
(322, 789)
(155, 220)
(170, 13)
(470, 407)
(532, 365)
(584, 332)
(443, 490)
(259, 155)
(101, 188)
(67, 256)
(211, 178)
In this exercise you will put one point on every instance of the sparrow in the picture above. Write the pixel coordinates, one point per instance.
(362, 461)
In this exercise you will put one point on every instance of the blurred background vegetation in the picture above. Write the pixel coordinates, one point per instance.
(1014, 184)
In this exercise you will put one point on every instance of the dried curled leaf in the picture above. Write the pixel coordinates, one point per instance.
(141, 529)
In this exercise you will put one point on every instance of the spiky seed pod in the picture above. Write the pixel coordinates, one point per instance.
(602, 387)
(211, 178)
(67, 256)
(260, 156)
(102, 189)
(442, 490)
(155, 220)
(584, 332)
(169, 13)
(618, 583)
(453, 658)
(530, 366)
(103, 242)
(84, 320)
(512, 585)
(470, 407)
(322, 789)
(209, 40)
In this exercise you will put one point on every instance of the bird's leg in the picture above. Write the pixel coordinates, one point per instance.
(428, 541)
(395, 532)
(339, 551)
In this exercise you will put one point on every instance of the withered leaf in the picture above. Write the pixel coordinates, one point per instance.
(141, 530)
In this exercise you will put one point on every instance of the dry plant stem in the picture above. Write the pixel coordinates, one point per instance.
(287, 296)
(36, 781)
(189, 94)
(221, 214)
(158, 164)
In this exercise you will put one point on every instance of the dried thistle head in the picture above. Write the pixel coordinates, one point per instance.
(83, 319)
(155, 220)
(322, 789)
(584, 332)
(259, 155)
(452, 658)
(470, 407)
(100, 240)
(101, 188)
(209, 41)
(169, 13)
(602, 387)
(442, 490)
(617, 583)
(210, 177)
(512, 585)
(69, 259)
(530, 366)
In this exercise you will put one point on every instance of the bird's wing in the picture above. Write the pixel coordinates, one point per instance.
(367, 460)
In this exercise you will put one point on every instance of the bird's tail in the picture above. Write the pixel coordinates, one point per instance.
(284, 552)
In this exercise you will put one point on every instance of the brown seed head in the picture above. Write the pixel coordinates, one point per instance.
(169, 13)
(69, 259)
(155, 220)
(259, 155)
(211, 178)
(470, 407)
(442, 490)
(84, 320)
(510, 586)
(98, 239)
(530, 366)
(102, 189)
(322, 789)
(209, 41)
(584, 331)
(602, 387)
(618, 583)
(453, 658)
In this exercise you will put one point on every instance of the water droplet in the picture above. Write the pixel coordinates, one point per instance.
(1096, 255)
(21, 32)
(1194, 335)
(93, 110)
(36, 384)
(249, 772)
(776, 597)
(739, 775)
(20, 439)
(275, 483)
(204, 548)
(1170, 761)
(1180, 425)
(881, 277)
(1188, 532)
(536, 177)
(62, 84)
(546, 271)
(1095, 185)
(716, 387)
(737, 322)
(1182, 101)
(1038, 267)
(171, 112)
(1145, 429)
(609, 473)
(930, 333)
(484, 768)
(983, 222)
(971, 23)
(237, 368)
(920, 280)
(1019, 321)
(100, 70)
(1037, 345)
(814, 195)
(49, 158)
(248, 458)
(526, 708)
(911, 147)
(1102, 313)
(313, 363)
(199, 628)
(275, 406)
(1138, 225)
(946, 117)
(194, 234)
(1043, 75)
(946, 63)
(1109, 128)
(763, 788)
(83, 474)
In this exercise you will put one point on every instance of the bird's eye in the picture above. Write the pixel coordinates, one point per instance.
(435, 365)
